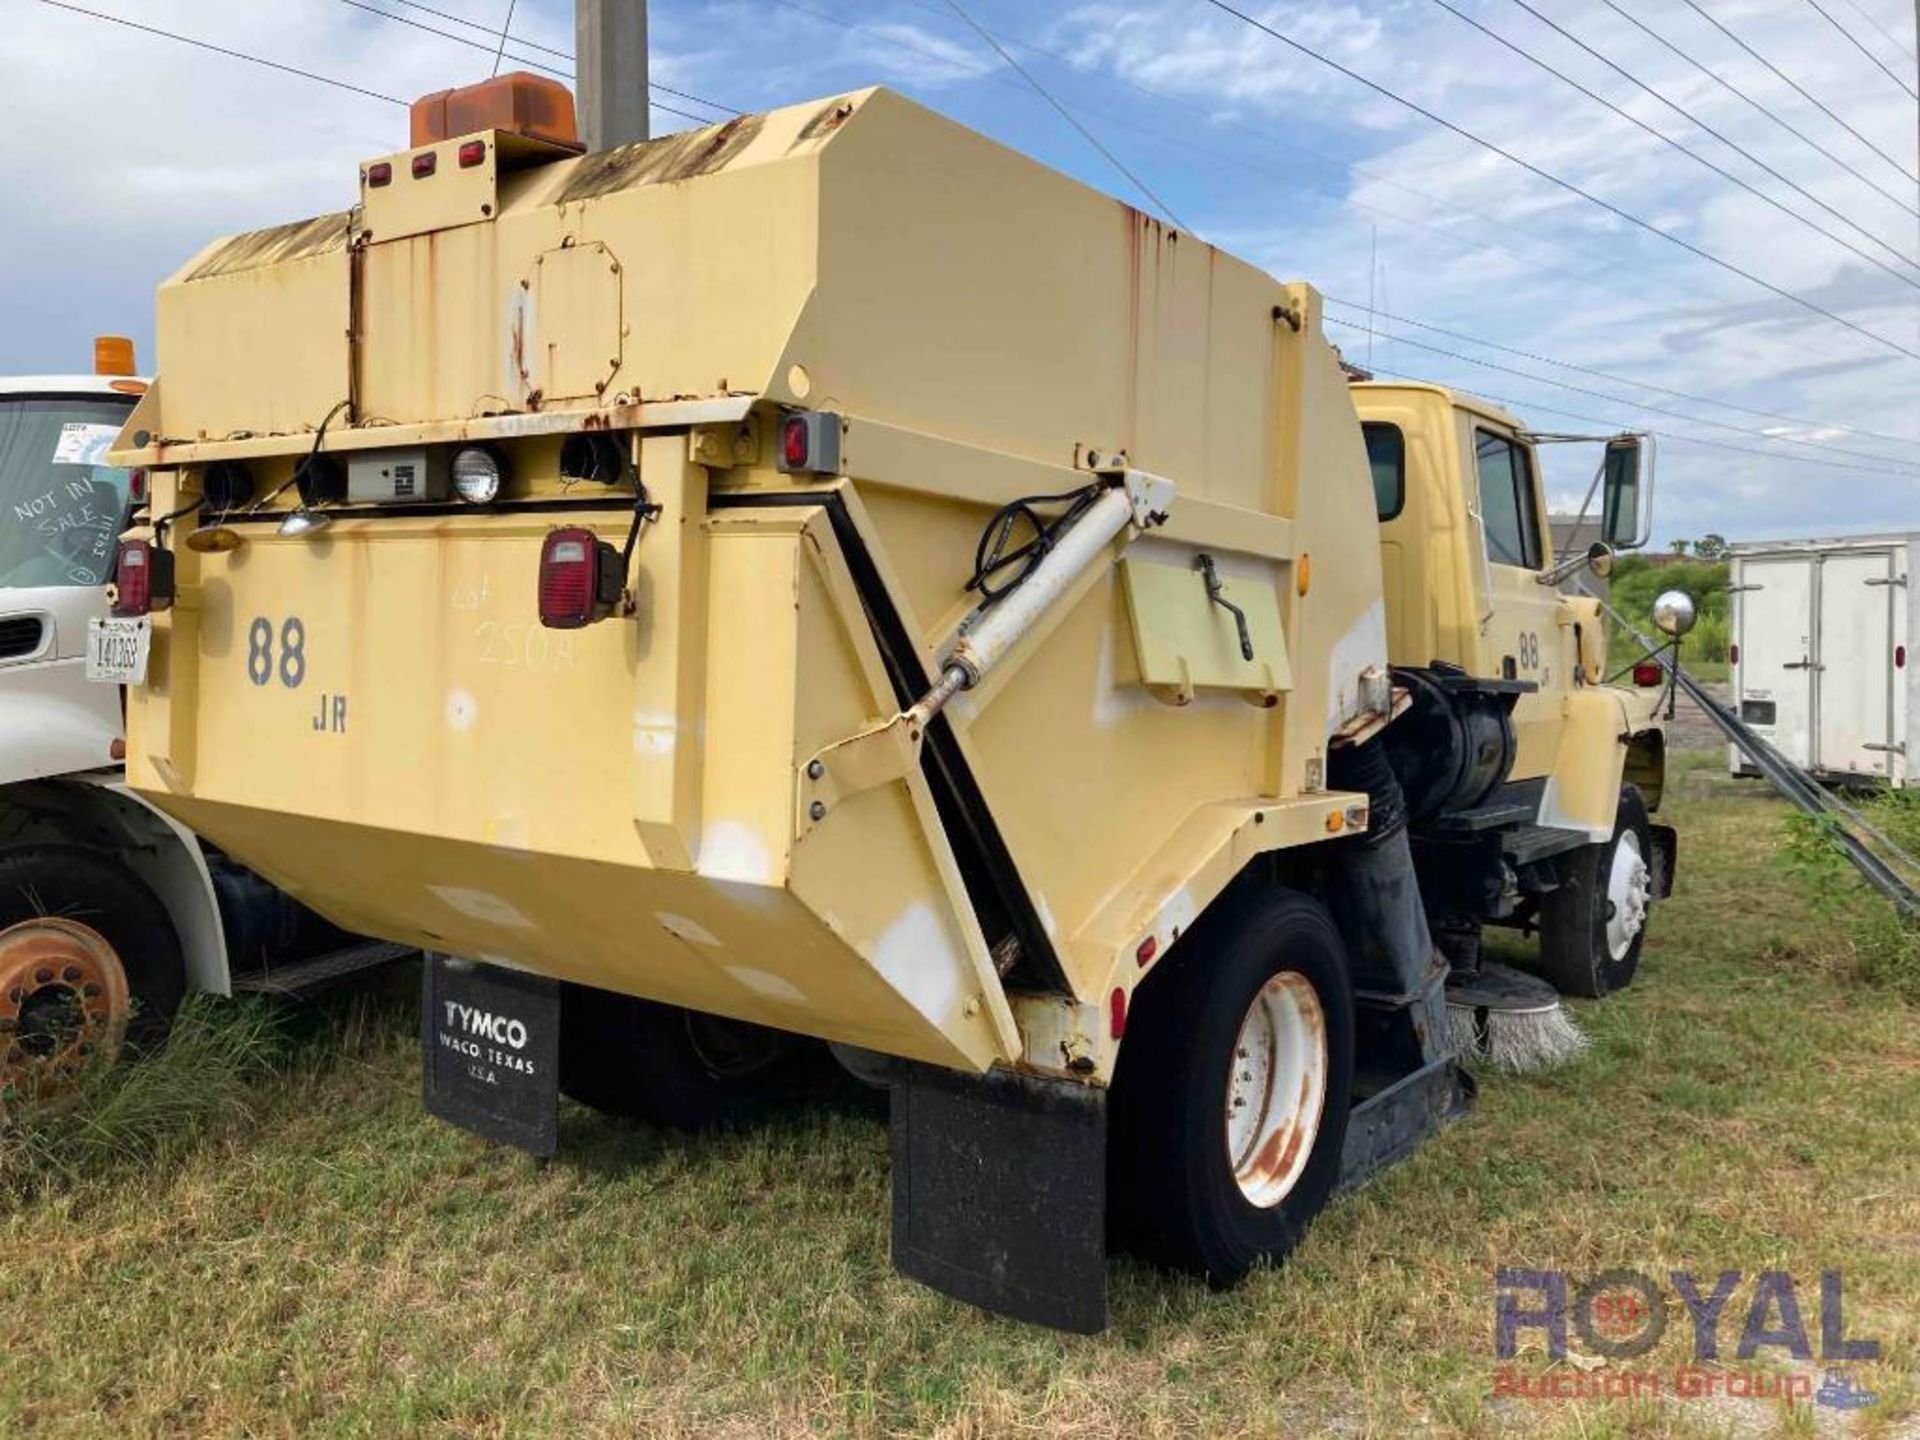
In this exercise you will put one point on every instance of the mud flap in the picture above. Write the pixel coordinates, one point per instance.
(490, 1052)
(1000, 1193)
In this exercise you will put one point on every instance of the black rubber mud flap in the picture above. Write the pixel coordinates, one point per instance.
(1000, 1193)
(490, 1050)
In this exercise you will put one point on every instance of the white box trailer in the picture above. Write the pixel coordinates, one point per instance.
(1819, 651)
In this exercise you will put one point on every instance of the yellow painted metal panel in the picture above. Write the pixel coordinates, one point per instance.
(1184, 641)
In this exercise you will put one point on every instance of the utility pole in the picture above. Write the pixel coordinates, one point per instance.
(611, 71)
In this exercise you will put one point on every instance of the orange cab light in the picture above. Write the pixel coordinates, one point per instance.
(128, 387)
(531, 106)
(112, 355)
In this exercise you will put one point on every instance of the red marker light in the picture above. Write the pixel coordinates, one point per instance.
(472, 153)
(580, 578)
(1733, 654)
(1149, 948)
(136, 485)
(1646, 674)
(425, 163)
(1117, 1012)
(793, 442)
(142, 579)
(380, 174)
(1899, 657)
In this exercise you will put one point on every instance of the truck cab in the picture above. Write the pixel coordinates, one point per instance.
(1477, 628)
(110, 911)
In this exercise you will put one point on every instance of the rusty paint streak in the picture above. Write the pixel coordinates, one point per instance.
(827, 119)
(685, 156)
(260, 248)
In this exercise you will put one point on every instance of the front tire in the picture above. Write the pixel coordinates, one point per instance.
(1594, 922)
(89, 966)
(1228, 1111)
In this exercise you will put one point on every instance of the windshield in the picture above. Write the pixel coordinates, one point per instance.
(61, 508)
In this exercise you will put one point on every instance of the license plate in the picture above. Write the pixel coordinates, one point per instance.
(491, 1039)
(117, 650)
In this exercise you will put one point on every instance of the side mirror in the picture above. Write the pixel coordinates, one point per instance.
(1600, 558)
(1621, 522)
(1674, 613)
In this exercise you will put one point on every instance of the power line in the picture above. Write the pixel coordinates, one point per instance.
(1800, 301)
(1891, 38)
(1629, 380)
(1683, 395)
(1778, 119)
(1524, 407)
(538, 65)
(1900, 80)
(223, 50)
(1798, 90)
(1067, 115)
(1675, 144)
(1691, 154)
(1880, 467)
(479, 25)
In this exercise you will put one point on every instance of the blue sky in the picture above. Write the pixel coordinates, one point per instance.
(128, 151)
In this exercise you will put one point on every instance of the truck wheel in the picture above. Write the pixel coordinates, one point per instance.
(89, 966)
(667, 1065)
(1593, 923)
(1228, 1110)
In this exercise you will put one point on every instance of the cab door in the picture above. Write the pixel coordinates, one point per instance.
(1521, 637)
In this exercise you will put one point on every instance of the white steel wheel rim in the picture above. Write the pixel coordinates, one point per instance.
(1276, 1088)
(1629, 888)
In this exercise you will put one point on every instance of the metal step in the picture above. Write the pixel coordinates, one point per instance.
(303, 977)
(1536, 842)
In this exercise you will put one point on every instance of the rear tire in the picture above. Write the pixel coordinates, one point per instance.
(92, 966)
(1196, 1182)
(1593, 924)
(667, 1065)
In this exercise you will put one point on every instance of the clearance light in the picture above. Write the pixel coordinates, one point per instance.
(1647, 674)
(425, 163)
(379, 174)
(810, 441)
(472, 153)
(580, 578)
(142, 578)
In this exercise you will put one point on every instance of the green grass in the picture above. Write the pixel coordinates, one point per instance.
(319, 1259)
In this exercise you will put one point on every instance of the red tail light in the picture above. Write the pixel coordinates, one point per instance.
(1647, 674)
(472, 153)
(810, 441)
(142, 578)
(580, 578)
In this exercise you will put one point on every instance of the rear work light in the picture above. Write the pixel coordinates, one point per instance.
(581, 578)
(1647, 674)
(142, 578)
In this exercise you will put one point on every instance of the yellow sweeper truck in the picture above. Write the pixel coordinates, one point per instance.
(826, 575)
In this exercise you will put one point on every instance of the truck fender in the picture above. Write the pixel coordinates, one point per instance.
(99, 811)
(1603, 727)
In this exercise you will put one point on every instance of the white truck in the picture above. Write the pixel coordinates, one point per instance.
(1819, 650)
(110, 912)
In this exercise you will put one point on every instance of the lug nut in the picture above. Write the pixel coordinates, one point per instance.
(70, 974)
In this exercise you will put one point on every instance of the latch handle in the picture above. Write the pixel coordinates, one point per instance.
(1203, 562)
